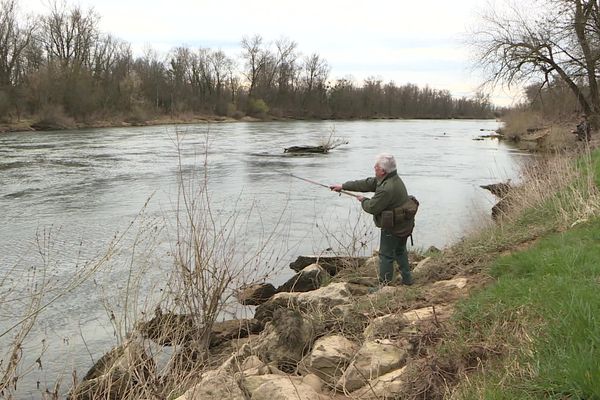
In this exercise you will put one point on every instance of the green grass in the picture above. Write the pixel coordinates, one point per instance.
(545, 306)
(541, 317)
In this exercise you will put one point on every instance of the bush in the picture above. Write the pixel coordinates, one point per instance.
(53, 116)
(518, 122)
(257, 107)
(138, 115)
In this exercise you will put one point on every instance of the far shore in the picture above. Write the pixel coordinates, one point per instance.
(31, 125)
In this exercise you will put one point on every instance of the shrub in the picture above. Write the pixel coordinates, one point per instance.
(53, 116)
(257, 107)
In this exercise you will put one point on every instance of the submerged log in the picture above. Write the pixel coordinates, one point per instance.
(306, 149)
(491, 136)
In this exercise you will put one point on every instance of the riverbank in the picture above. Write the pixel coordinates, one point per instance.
(65, 123)
(339, 317)
(25, 125)
(506, 312)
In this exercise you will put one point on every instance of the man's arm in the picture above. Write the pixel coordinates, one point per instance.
(378, 203)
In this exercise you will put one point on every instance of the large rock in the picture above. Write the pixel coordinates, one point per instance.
(375, 358)
(328, 296)
(168, 328)
(215, 386)
(116, 373)
(426, 314)
(330, 264)
(310, 278)
(323, 298)
(386, 326)
(276, 387)
(421, 265)
(388, 386)
(255, 294)
(455, 283)
(233, 329)
(329, 357)
(285, 339)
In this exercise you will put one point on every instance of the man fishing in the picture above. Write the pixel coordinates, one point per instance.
(385, 206)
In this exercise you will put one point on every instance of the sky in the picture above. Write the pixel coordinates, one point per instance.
(404, 41)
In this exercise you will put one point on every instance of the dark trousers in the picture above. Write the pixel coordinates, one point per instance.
(393, 248)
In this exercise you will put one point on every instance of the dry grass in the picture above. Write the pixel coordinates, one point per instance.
(176, 346)
(518, 122)
(555, 193)
(540, 133)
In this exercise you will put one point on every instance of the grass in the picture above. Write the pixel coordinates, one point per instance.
(535, 332)
(543, 309)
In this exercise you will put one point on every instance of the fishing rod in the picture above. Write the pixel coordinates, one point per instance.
(318, 184)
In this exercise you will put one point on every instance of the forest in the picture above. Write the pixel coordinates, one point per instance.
(59, 67)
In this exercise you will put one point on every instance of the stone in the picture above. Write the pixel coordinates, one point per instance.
(275, 387)
(425, 313)
(388, 386)
(115, 373)
(458, 283)
(310, 278)
(375, 358)
(386, 326)
(225, 331)
(215, 386)
(329, 357)
(255, 294)
(331, 264)
(168, 329)
(323, 298)
(285, 339)
(421, 265)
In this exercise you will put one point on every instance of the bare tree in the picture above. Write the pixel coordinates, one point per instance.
(255, 57)
(14, 39)
(69, 35)
(315, 71)
(221, 66)
(560, 43)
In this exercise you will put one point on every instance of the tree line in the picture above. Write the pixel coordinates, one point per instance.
(61, 65)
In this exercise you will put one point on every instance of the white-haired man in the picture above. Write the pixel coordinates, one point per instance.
(390, 193)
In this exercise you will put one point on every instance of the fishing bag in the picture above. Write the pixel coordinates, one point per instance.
(406, 211)
(401, 220)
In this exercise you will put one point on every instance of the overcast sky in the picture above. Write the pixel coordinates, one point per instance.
(405, 41)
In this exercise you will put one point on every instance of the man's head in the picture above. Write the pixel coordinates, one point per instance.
(384, 164)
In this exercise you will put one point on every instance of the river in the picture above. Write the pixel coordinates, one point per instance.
(65, 195)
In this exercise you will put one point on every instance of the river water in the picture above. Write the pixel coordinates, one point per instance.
(65, 195)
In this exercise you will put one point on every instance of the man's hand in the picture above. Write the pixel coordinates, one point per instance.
(360, 198)
(336, 188)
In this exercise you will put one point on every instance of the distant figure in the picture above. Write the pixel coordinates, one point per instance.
(390, 193)
(583, 130)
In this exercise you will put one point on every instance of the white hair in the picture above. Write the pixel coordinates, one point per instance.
(386, 161)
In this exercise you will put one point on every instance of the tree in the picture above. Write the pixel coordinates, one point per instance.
(560, 43)
(256, 58)
(221, 67)
(14, 39)
(315, 71)
(69, 35)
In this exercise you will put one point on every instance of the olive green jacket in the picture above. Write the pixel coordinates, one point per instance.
(390, 193)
